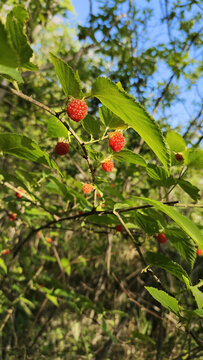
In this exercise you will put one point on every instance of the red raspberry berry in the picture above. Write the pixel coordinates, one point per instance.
(99, 195)
(199, 252)
(87, 188)
(119, 228)
(20, 195)
(179, 157)
(12, 216)
(108, 165)
(77, 109)
(5, 252)
(161, 238)
(117, 141)
(62, 148)
(49, 240)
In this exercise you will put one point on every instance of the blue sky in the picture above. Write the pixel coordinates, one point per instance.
(181, 112)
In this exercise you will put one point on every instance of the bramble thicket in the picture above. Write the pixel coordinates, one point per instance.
(100, 181)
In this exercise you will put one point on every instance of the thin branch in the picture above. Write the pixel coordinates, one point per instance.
(78, 216)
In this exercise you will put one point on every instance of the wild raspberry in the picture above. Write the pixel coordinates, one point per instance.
(117, 141)
(19, 195)
(99, 195)
(62, 148)
(5, 252)
(179, 157)
(49, 240)
(77, 109)
(108, 165)
(161, 237)
(12, 217)
(87, 188)
(199, 252)
(119, 228)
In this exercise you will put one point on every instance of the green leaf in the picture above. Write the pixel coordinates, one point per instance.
(53, 299)
(169, 302)
(160, 174)
(15, 23)
(175, 141)
(66, 265)
(56, 129)
(8, 56)
(102, 220)
(167, 264)
(193, 158)
(198, 312)
(11, 178)
(11, 73)
(198, 295)
(133, 114)
(110, 120)
(183, 243)
(143, 337)
(129, 157)
(145, 222)
(68, 79)
(3, 265)
(187, 225)
(25, 148)
(190, 189)
(91, 125)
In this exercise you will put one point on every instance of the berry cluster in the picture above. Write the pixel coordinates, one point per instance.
(116, 141)
(12, 216)
(161, 237)
(87, 188)
(62, 148)
(77, 109)
(108, 165)
(19, 195)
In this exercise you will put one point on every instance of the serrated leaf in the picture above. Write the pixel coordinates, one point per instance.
(186, 224)
(183, 243)
(133, 114)
(91, 125)
(160, 175)
(110, 120)
(102, 220)
(167, 264)
(15, 23)
(56, 129)
(3, 266)
(25, 148)
(8, 56)
(198, 295)
(11, 73)
(145, 222)
(129, 157)
(164, 299)
(68, 80)
(190, 189)
(193, 158)
(175, 141)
